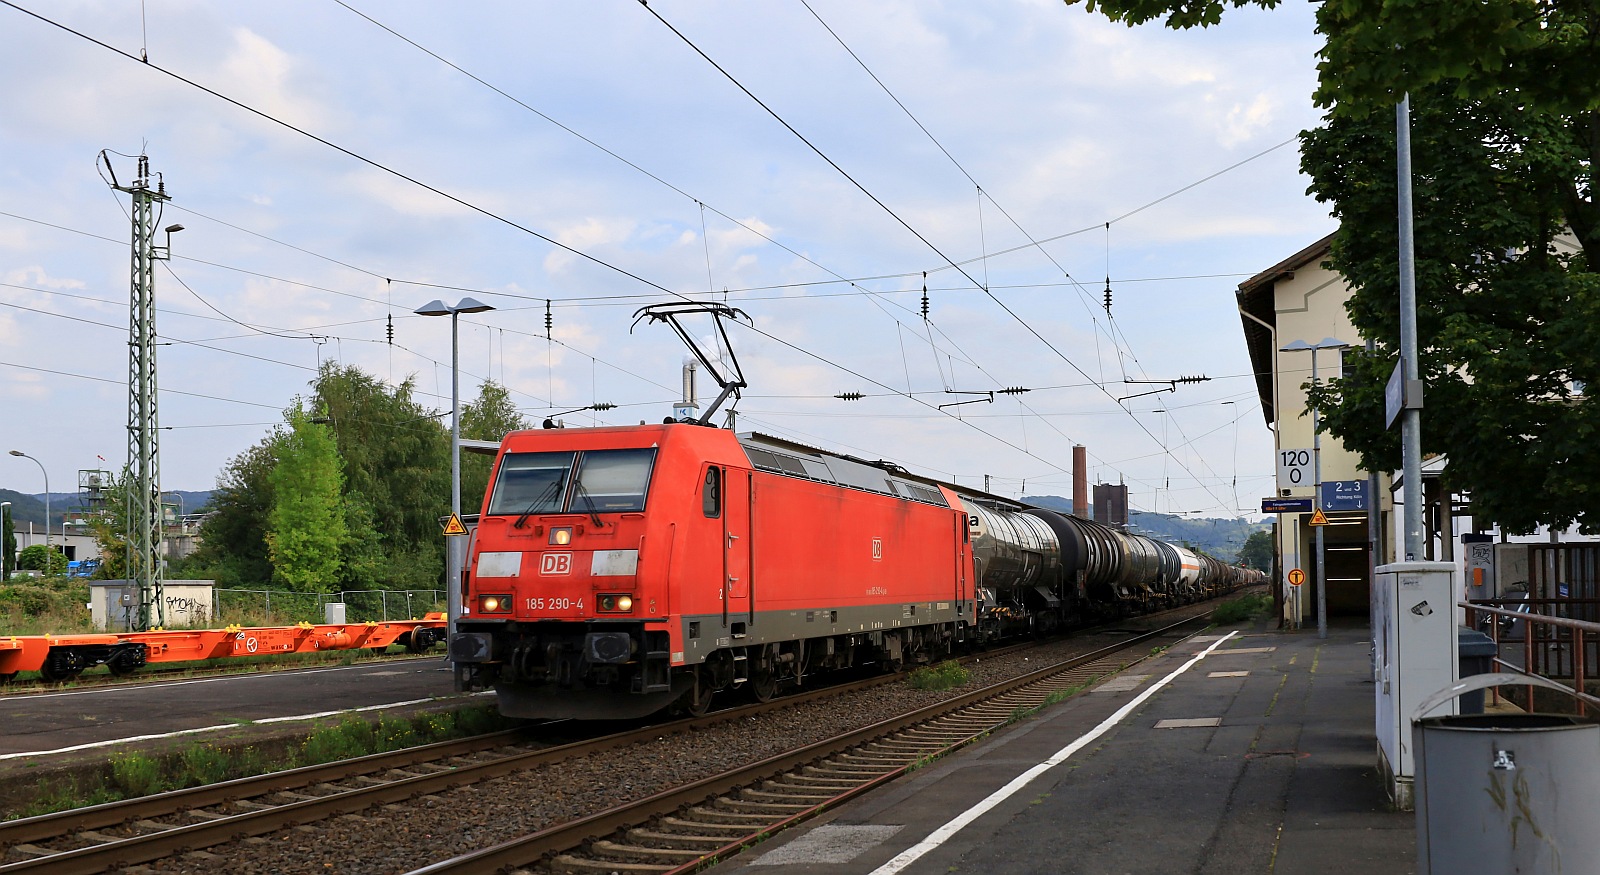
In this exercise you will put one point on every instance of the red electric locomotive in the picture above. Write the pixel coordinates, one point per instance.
(617, 571)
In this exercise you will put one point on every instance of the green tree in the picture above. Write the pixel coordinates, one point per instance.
(487, 418)
(1257, 550)
(306, 526)
(8, 546)
(233, 546)
(37, 557)
(397, 478)
(1509, 316)
(1506, 152)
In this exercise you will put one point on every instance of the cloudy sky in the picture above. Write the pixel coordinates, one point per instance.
(597, 126)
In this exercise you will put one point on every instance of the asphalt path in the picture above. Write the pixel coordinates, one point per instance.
(90, 719)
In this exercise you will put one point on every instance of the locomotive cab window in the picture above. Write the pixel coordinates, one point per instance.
(531, 483)
(711, 496)
(612, 481)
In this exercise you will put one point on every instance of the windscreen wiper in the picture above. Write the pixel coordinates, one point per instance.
(588, 502)
(548, 493)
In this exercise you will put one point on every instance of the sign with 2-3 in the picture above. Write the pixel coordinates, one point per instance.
(1344, 495)
(1294, 468)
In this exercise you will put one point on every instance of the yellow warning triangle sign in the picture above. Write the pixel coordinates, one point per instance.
(1317, 519)
(454, 526)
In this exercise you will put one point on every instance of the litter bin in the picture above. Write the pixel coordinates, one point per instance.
(1475, 652)
(1506, 792)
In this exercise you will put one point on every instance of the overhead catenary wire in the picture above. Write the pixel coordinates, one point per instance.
(164, 71)
(890, 211)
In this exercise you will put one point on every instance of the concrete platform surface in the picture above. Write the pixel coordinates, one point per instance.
(1252, 754)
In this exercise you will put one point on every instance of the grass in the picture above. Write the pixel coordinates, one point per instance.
(1242, 609)
(131, 775)
(946, 675)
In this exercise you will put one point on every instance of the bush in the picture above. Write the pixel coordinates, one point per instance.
(1242, 609)
(41, 558)
(944, 676)
(44, 605)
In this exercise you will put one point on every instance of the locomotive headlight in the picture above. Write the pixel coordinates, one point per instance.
(561, 536)
(494, 604)
(615, 603)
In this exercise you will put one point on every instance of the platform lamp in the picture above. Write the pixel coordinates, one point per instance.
(1316, 473)
(5, 543)
(453, 557)
(48, 555)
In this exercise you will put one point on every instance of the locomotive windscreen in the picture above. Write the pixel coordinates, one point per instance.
(608, 481)
(531, 483)
(614, 480)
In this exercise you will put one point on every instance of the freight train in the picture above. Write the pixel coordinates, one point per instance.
(618, 571)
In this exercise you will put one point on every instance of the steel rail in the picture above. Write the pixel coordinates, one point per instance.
(528, 850)
(156, 845)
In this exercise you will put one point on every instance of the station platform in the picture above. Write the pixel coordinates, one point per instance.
(1253, 752)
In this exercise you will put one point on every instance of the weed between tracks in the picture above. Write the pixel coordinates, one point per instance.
(1242, 609)
(946, 675)
(133, 774)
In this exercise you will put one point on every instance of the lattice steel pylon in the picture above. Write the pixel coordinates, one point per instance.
(144, 528)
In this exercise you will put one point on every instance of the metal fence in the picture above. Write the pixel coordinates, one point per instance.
(252, 607)
(1553, 629)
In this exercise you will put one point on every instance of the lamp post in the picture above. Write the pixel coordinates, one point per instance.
(48, 559)
(453, 559)
(5, 541)
(1316, 475)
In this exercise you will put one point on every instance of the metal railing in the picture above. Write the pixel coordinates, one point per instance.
(1554, 647)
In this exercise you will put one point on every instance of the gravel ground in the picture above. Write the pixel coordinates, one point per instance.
(401, 838)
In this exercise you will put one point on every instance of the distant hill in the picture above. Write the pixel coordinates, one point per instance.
(24, 508)
(30, 508)
(1222, 538)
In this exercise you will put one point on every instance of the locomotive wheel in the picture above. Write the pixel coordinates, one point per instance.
(697, 702)
(764, 685)
(763, 674)
(7, 677)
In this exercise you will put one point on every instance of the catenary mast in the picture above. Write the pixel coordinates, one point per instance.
(144, 517)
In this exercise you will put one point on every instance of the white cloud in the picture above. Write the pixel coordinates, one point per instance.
(1244, 122)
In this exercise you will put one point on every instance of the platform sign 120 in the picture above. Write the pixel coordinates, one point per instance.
(1294, 468)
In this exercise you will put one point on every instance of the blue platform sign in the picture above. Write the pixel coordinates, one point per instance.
(1344, 495)
(1286, 505)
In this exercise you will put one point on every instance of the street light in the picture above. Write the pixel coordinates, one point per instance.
(453, 560)
(48, 558)
(1316, 474)
(5, 562)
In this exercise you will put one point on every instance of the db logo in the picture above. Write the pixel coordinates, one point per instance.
(555, 563)
(877, 549)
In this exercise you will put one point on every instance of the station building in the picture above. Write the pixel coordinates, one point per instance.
(1298, 302)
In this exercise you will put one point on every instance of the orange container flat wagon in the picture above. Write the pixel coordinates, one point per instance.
(63, 657)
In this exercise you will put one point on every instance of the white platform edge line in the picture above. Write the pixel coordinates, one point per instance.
(265, 720)
(960, 821)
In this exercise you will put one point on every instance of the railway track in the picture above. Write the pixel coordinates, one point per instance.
(161, 826)
(95, 838)
(686, 828)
